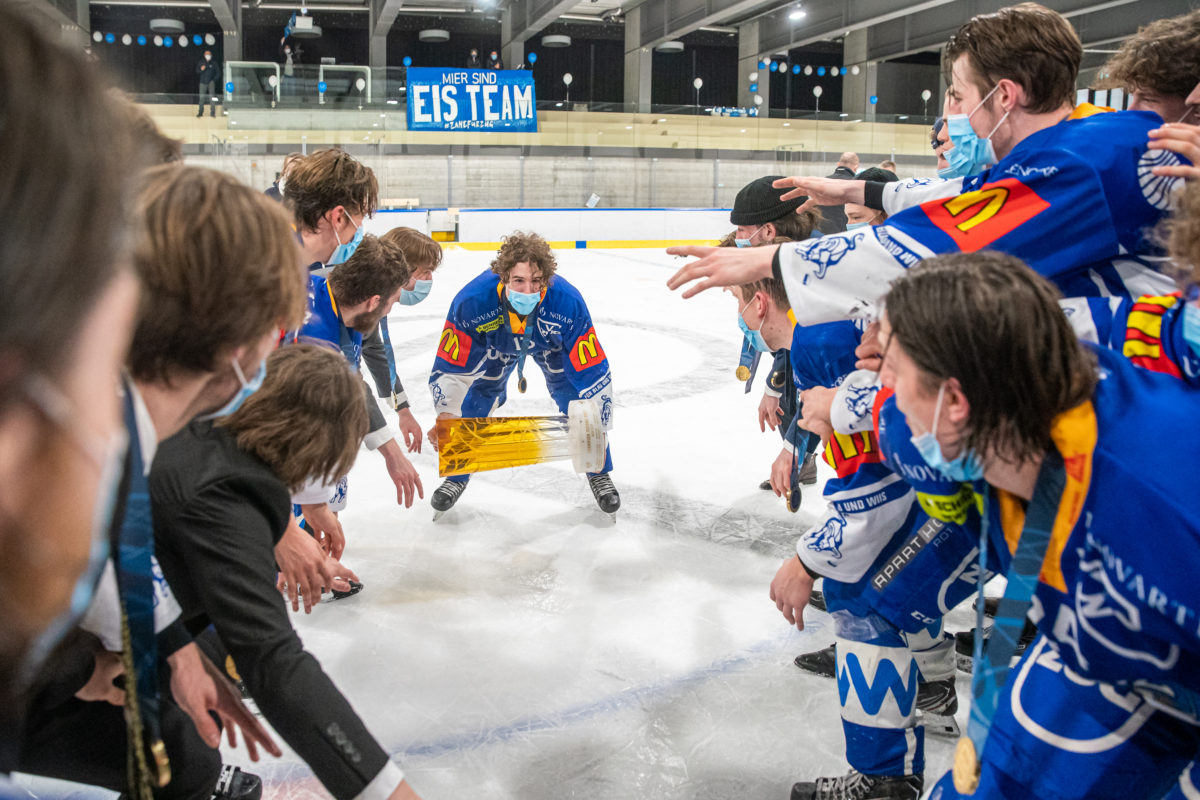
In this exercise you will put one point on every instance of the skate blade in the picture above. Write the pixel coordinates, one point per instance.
(437, 515)
(964, 663)
(939, 725)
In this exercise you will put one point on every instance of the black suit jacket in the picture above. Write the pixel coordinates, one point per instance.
(218, 512)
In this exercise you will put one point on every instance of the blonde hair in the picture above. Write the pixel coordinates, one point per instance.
(420, 251)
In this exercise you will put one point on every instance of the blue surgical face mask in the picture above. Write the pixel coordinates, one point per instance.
(966, 467)
(420, 290)
(749, 240)
(1191, 327)
(970, 154)
(754, 337)
(248, 387)
(948, 173)
(343, 252)
(853, 226)
(522, 303)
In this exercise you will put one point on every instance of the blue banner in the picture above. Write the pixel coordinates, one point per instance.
(471, 100)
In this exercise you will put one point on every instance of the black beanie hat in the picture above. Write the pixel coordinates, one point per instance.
(758, 203)
(877, 174)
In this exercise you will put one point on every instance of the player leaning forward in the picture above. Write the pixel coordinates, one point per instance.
(517, 309)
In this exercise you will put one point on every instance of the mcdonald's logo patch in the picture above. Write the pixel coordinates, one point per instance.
(454, 346)
(586, 352)
(975, 220)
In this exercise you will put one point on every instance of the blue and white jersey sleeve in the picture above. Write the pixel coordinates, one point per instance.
(1074, 201)
(899, 195)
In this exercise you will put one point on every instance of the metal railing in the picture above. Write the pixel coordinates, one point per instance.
(253, 66)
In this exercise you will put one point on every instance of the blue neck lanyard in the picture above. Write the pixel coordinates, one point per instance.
(133, 551)
(990, 673)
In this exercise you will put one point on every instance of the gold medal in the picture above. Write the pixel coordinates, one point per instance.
(162, 765)
(966, 767)
(521, 384)
(743, 372)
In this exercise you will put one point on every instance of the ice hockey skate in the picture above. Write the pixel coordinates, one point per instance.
(937, 702)
(234, 784)
(605, 493)
(856, 786)
(445, 496)
(819, 662)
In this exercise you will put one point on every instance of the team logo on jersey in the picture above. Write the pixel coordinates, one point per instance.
(827, 538)
(454, 346)
(1046, 694)
(860, 399)
(586, 352)
(828, 251)
(975, 220)
(547, 328)
(1159, 190)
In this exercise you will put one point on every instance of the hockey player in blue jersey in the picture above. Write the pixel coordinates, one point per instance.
(1075, 198)
(341, 309)
(519, 308)
(885, 671)
(1104, 704)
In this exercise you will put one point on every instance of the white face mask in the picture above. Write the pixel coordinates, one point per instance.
(208, 58)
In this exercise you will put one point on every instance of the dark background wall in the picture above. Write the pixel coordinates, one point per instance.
(146, 68)
(714, 61)
(595, 58)
(899, 85)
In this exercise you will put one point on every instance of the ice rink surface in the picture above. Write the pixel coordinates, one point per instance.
(527, 647)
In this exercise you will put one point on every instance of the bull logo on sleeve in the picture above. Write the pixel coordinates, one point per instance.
(828, 251)
(859, 400)
(827, 538)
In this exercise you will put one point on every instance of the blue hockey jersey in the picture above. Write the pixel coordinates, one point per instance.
(868, 506)
(482, 338)
(323, 323)
(820, 355)
(1148, 331)
(1076, 201)
(1115, 592)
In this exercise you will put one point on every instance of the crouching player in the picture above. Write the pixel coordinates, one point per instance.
(886, 671)
(516, 309)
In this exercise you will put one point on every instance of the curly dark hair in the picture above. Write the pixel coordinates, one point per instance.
(328, 179)
(1162, 57)
(530, 247)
